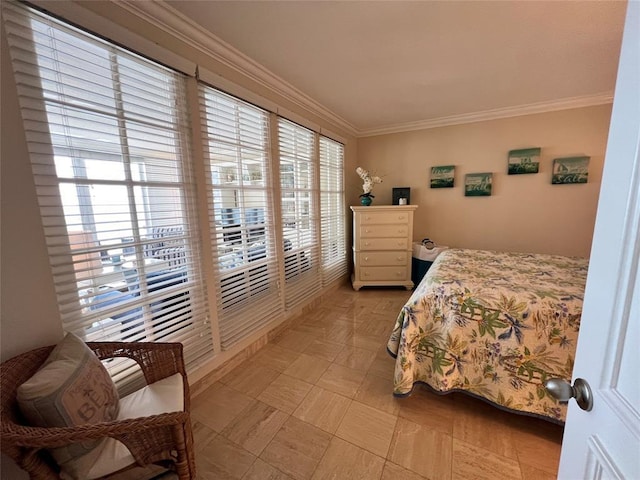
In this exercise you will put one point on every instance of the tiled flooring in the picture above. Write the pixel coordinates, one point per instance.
(317, 403)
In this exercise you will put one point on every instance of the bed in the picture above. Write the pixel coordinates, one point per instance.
(493, 325)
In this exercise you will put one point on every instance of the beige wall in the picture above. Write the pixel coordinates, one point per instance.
(525, 212)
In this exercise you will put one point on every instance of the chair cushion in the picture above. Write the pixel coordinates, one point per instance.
(163, 396)
(71, 388)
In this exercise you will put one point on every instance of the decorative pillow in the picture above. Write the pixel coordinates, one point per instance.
(71, 388)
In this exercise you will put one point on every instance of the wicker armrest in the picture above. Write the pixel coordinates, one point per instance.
(53, 437)
(165, 439)
(157, 360)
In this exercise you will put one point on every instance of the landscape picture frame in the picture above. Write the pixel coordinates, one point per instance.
(443, 176)
(478, 184)
(523, 161)
(570, 170)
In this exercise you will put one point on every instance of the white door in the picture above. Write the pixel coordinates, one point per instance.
(605, 442)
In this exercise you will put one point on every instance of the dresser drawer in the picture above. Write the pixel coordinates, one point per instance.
(372, 231)
(384, 244)
(384, 218)
(383, 274)
(374, 259)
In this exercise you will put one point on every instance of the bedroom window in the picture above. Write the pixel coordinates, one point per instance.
(236, 149)
(299, 188)
(332, 205)
(108, 137)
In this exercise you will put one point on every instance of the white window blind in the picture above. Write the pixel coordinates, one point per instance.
(299, 186)
(236, 147)
(332, 227)
(108, 137)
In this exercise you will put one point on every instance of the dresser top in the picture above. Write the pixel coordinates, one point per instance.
(383, 208)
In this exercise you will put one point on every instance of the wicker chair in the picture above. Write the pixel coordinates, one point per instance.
(165, 439)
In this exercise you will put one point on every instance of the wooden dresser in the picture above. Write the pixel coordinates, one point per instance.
(382, 241)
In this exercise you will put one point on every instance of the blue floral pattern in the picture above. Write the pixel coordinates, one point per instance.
(496, 325)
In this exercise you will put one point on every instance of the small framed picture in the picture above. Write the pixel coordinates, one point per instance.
(477, 184)
(401, 196)
(570, 170)
(522, 161)
(442, 176)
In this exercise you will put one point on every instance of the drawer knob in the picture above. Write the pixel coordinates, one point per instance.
(366, 259)
(367, 218)
(399, 243)
(366, 244)
(400, 217)
(398, 274)
(365, 274)
(398, 258)
(367, 230)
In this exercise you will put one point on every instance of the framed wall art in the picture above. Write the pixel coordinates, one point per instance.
(570, 170)
(526, 160)
(477, 184)
(442, 176)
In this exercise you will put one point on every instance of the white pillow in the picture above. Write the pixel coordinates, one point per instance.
(71, 388)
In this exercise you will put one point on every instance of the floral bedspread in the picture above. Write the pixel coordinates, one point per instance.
(496, 325)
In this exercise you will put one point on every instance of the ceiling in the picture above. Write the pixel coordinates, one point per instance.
(383, 66)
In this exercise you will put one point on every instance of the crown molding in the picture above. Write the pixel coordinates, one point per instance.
(495, 114)
(163, 16)
(166, 18)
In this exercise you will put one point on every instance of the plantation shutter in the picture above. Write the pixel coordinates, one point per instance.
(236, 146)
(299, 212)
(107, 134)
(332, 228)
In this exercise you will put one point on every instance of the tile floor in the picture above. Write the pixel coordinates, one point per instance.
(316, 404)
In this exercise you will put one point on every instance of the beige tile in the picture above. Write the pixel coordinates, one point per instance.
(396, 472)
(223, 460)
(532, 473)
(340, 332)
(202, 434)
(356, 358)
(473, 463)
(314, 328)
(275, 357)
(297, 448)
(368, 341)
(285, 393)
(367, 428)
(323, 409)
(255, 427)
(383, 365)
(261, 470)
(377, 392)
(428, 409)
(342, 380)
(392, 305)
(218, 405)
(307, 368)
(324, 349)
(296, 341)
(347, 462)
(250, 379)
(474, 418)
(538, 443)
(421, 450)
(377, 325)
(435, 437)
